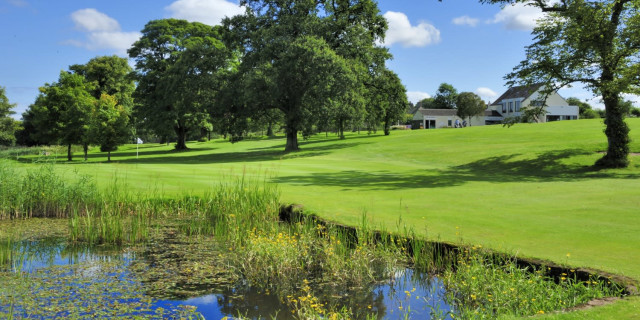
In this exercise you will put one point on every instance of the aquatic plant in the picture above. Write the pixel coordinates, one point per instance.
(485, 285)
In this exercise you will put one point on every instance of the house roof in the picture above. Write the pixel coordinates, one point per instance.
(438, 112)
(523, 92)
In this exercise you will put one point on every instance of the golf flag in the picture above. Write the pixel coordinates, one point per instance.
(138, 141)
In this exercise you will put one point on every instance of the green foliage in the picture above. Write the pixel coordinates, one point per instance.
(62, 111)
(388, 99)
(484, 287)
(8, 126)
(586, 111)
(427, 103)
(469, 105)
(445, 97)
(179, 66)
(108, 75)
(341, 34)
(109, 124)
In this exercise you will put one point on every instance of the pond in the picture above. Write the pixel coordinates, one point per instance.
(51, 279)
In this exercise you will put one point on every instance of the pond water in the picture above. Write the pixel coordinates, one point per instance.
(417, 295)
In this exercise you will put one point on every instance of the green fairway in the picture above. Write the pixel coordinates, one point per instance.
(527, 190)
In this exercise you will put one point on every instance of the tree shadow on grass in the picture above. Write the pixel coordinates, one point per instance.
(547, 167)
(192, 156)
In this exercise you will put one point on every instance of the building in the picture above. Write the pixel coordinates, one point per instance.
(516, 99)
(510, 104)
(441, 118)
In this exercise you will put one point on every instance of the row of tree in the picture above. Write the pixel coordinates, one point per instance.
(307, 65)
(90, 104)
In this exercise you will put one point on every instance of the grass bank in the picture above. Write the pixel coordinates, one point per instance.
(528, 189)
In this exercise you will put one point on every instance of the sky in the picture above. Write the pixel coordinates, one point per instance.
(461, 42)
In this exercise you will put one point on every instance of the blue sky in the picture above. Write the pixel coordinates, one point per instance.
(461, 42)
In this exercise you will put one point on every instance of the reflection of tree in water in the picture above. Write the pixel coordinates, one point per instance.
(174, 267)
(253, 303)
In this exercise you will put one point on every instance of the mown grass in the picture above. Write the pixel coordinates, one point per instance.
(528, 189)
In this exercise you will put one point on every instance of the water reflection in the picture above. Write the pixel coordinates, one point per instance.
(410, 293)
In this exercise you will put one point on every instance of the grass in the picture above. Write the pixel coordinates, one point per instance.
(528, 189)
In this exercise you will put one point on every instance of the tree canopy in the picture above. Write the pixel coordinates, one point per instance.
(314, 60)
(8, 126)
(445, 97)
(62, 111)
(469, 105)
(109, 124)
(179, 66)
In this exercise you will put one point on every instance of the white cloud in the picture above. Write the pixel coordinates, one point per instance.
(92, 20)
(210, 12)
(416, 96)
(518, 17)
(401, 31)
(486, 93)
(103, 32)
(466, 20)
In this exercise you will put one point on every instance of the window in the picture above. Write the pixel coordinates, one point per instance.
(511, 106)
(449, 123)
(517, 106)
(504, 107)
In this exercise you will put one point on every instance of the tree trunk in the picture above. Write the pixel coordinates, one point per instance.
(69, 157)
(85, 147)
(387, 126)
(182, 138)
(108, 156)
(341, 129)
(292, 140)
(617, 133)
(269, 129)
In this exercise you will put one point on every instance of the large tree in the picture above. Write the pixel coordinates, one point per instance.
(110, 75)
(62, 111)
(8, 125)
(388, 99)
(309, 57)
(596, 43)
(178, 68)
(469, 105)
(109, 124)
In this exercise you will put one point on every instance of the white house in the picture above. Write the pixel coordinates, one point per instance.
(513, 101)
(509, 104)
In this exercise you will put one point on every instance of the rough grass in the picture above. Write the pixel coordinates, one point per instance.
(527, 190)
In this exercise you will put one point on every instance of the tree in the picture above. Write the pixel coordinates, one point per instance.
(427, 103)
(446, 97)
(109, 124)
(62, 111)
(109, 75)
(309, 58)
(8, 126)
(586, 111)
(596, 43)
(469, 104)
(178, 67)
(389, 99)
